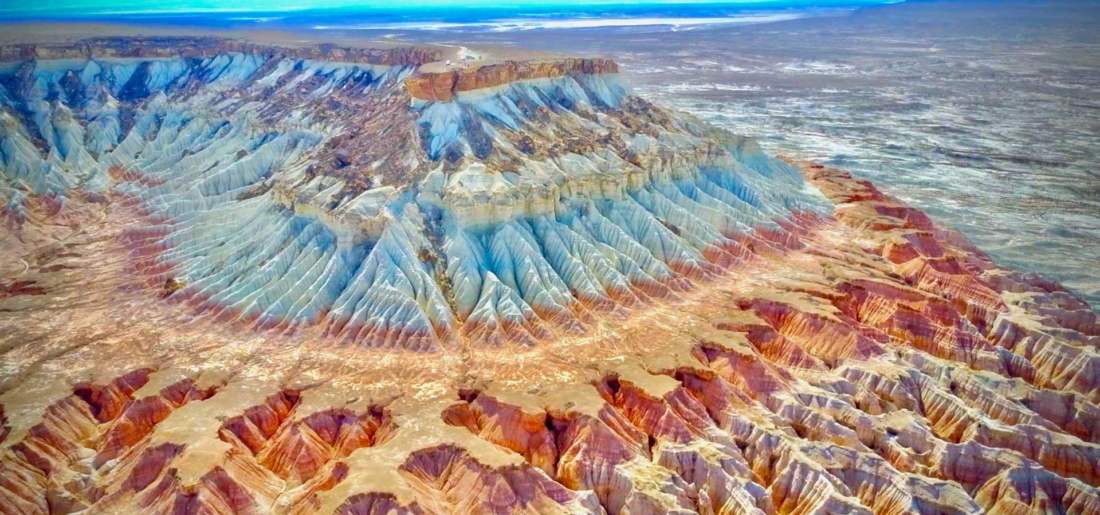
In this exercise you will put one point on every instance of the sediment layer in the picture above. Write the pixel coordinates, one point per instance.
(825, 375)
(561, 299)
(444, 85)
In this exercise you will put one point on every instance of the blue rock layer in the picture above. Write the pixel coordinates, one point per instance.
(215, 154)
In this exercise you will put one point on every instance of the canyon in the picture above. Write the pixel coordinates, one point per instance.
(253, 278)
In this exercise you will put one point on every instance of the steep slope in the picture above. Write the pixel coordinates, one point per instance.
(489, 227)
(263, 279)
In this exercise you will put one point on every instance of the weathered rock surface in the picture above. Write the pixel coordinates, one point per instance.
(250, 279)
(444, 85)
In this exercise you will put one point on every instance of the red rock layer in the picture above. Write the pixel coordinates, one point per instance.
(450, 481)
(42, 472)
(142, 415)
(905, 373)
(4, 428)
(300, 450)
(442, 86)
(376, 504)
(305, 446)
(913, 389)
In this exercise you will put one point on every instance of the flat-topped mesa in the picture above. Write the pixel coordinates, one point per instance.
(443, 86)
(191, 47)
(499, 215)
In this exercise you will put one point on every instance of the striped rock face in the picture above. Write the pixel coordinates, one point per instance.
(255, 279)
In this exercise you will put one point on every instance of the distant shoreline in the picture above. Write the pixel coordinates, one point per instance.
(389, 27)
(428, 11)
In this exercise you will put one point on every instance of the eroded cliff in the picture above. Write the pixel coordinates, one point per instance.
(295, 280)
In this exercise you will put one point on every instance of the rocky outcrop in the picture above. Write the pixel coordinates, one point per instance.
(443, 86)
(42, 471)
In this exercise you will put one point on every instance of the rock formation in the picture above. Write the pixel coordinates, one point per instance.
(257, 279)
(442, 86)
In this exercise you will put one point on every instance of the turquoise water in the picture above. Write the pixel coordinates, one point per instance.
(476, 16)
(469, 10)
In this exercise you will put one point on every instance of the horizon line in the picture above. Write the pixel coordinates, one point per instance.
(47, 12)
